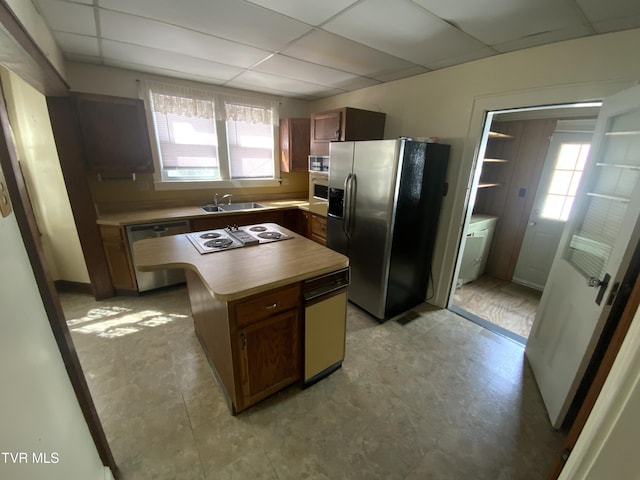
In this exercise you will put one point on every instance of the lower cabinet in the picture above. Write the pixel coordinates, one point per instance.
(118, 258)
(254, 344)
(318, 229)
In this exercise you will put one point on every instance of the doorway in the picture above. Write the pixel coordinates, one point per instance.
(520, 198)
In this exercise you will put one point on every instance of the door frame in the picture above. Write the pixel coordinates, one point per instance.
(30, 63)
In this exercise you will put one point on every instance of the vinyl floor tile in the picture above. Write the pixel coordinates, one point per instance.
(437, 398)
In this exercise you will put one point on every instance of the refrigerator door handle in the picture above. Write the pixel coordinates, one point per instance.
(353, 187)
(347, 205)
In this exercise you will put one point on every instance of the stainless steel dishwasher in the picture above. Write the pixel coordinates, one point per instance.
(325, 323)
(158, 278)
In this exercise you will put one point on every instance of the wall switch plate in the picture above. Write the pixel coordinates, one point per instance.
(5, 203)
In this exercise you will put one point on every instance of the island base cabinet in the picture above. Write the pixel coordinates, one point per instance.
(269, 356)
(253, 345)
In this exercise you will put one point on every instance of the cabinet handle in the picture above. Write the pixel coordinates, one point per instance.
(243, 337)
(271, 307)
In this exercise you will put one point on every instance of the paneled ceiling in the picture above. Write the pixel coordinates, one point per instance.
(310, 49)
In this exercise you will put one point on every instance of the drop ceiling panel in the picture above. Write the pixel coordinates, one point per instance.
(149, 33)
(69, 17)
(544, 38)
(313, 12)
(309, 72)
(73, 44)
(403, 29)
(499, 21)
(149, 57)
(597, 10)
(290, 87)
(324, 48)
(230, 19)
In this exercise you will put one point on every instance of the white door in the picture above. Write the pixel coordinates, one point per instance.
(600, 234)
(557, 188)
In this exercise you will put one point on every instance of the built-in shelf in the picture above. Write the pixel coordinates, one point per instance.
(487, 185)
(494, 160)
(625, 132)
(499, 135)
(619, 165)
(609, 197)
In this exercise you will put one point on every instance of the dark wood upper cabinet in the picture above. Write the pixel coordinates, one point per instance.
(294, 144)
(343, 125)
(114, 134)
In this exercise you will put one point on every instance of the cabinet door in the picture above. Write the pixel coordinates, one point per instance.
(325, 127)
(269, 356)
(114, 134)
(118, 258)
(319, 229)
(294, 144)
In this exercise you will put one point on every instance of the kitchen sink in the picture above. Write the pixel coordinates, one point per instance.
(211, 208)
(239, 206)
(231, 207)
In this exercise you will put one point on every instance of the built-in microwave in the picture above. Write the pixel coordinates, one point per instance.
(318, 193)
(318, 164)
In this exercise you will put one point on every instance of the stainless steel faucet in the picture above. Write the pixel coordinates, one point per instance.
(217, 201)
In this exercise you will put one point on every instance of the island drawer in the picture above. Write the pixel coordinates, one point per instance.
(264, 305)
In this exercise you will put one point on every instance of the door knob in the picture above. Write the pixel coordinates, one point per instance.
(601, 284)
(594, 282)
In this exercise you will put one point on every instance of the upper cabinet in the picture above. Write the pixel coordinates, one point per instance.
(114, 134)
(343, 125)
(294, 144)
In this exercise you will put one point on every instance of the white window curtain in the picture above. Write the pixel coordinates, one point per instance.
(193, 102)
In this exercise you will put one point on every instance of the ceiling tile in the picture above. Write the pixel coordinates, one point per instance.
(309, 72)
(324, 48)
(288, 86)
(78, 44)
(469, 56)
(229, 19)
(149, 57)
(499, 21)
(543, 38)
(313, 12)
(398, 74)
(149, 33)
(402, 29)
(612, 15)
(69, 17)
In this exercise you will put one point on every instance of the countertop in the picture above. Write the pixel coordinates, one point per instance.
(238, 273)
(177, 213)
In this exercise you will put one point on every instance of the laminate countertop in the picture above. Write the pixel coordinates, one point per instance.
(135, 217)
(241, 272)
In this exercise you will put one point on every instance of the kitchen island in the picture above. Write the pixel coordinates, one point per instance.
(248, 307)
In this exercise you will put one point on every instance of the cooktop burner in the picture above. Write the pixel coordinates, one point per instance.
(218, 242)
(233, 236)
(210, 235)
(270, 235)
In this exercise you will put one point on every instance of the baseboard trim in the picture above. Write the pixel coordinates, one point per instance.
(68, 286)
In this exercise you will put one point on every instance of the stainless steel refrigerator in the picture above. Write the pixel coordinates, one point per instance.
(384, 203)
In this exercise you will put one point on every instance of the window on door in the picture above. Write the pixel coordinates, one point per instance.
(565, 179)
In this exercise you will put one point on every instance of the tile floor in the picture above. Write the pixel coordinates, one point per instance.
(438, 398)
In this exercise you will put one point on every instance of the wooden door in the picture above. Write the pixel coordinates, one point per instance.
(551, 208)
(592, 257)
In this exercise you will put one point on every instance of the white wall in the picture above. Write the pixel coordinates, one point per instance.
(39, 412)
(450, 104)
(607, 447)
(38, 156)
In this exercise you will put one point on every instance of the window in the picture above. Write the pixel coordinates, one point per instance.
(564, 180)
(205, 136)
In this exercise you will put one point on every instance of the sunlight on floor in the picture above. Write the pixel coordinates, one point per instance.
(111, 322)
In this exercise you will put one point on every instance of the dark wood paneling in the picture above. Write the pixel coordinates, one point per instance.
(526, 154)
(25, 58)
(66, 133)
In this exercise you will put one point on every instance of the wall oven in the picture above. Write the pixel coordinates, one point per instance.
(318, 193)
